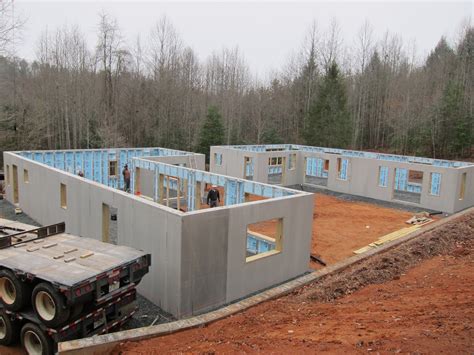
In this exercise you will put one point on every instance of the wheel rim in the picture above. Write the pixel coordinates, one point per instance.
(45, 305)
(32, 342)
(7, 291)
(3, 328)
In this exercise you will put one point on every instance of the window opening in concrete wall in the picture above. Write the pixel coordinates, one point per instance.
(63, 197)
(435, 184)
(415, 177)
(326, 165)
(170, 191)
(408, 185)
(264, 239)
(276, 170)
(26, 178)
(383, 176)
(105, 222)
(8, 174)
(248, 168)
(292, 165)
(342, 165)
(218, 158)
(463, 186)
(316, 174)
(16, 196)
(109, 224)
(113, 168)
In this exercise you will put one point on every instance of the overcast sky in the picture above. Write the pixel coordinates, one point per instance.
(267, 33)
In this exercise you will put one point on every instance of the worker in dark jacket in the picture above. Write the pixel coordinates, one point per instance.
(213, 197)
(126, 178)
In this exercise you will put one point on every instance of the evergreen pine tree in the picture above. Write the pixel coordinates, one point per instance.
(271, 136)
(328, 118)
(456, 120)
(212, 132)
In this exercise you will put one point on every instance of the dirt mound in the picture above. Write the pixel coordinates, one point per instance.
(456, 237)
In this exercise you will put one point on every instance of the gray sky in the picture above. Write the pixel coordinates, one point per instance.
(267, 33)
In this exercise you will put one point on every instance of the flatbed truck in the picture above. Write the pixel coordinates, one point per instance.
(56, 286)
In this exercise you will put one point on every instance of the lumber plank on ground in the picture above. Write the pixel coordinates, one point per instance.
(363, 250)
(388, 238)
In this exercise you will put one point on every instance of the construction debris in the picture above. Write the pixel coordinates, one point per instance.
(420, 219)
(317, 259)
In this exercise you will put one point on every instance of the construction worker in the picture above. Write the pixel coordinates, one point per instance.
(126, 178)
(213, 197)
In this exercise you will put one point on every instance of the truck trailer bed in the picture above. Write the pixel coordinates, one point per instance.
(63, 259)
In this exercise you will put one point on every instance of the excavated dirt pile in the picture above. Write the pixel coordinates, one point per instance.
(455, 237)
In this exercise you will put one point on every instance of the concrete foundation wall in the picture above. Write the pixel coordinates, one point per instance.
(140, 224)
(362, 176)
(198, 258)
(219, 239)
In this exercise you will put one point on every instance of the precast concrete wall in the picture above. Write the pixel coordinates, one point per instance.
(362, 176)
(194, 161)
(140, 223)
(198, 258)
(214, 267)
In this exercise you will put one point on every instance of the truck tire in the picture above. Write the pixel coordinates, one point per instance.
(14, 293)
(35, 341)
(49, 305)
(9, 330)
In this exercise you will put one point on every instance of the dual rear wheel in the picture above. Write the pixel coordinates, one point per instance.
(48, 303)
(14, 293)
(33, 339)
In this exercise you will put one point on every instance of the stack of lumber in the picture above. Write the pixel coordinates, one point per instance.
(388, 238)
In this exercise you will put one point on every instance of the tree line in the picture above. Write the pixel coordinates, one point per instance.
(371, 94)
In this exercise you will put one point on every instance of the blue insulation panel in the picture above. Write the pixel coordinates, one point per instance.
(435, 188)
(59, 160)
(122, 161)
(231, 193)
(79, 162)
(256, 245)
(344, 169)
(69, 158)
(95, 166)
(249, 168)
(88, 165)
(98, 166)
(105, 169)
(401, 179)
(315, 167)
(48, 158)
(383, 176)
(38, 157)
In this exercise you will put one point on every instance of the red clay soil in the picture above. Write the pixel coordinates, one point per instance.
(340, 227)
(415, 298)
